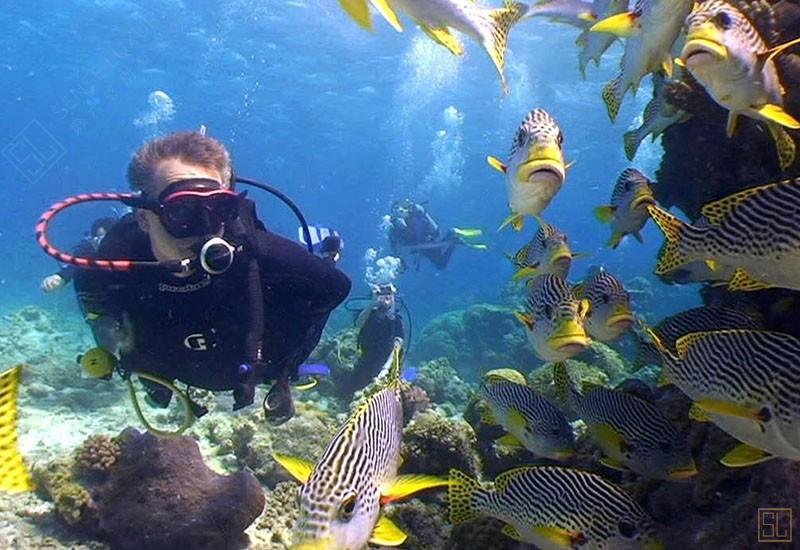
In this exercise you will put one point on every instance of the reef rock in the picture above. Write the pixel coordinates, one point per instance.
(140, 491)
(432, 444)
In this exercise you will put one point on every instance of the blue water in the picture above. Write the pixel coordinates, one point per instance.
(342, 120)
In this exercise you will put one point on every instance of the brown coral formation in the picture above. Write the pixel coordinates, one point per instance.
(432, 444)
(97, 454)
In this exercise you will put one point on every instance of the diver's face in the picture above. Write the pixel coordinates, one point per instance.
(165, 247)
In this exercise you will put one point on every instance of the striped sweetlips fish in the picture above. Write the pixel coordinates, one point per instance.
(343, 493)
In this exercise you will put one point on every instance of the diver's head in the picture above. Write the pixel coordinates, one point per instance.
(181, 175)
(402, 208)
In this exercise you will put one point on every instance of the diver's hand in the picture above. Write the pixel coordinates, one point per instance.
(278, 404)
(53, 282)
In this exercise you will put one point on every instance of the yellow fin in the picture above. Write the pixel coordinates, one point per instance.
(510, 440)
(609, 437)
(663, 379)
(730, 128)
(612, 97)
(614, 464)
(529, 271)
(443, 36)
(671, 256)
(497, 164)
(560, 537)
(515, 420)
(386, 533)
(14, 475)
(730, 408)
(716, 211)
(776, 113)
(743, 282)
(502, 20)
(511, 532)
(468, 232)
(604, 213)
(409, 484)
(744, 455)
(667, 65)
(621, 24)
(698, 413)
(614, 240)
(770, 54)
(712, 264)
(515, 220)
(784, 145)
(388, 13)
(631, 141)
(359, 11)
(298, 468)
(460, 496)
(524, 318)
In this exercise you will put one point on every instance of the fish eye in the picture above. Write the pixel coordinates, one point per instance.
(560, 137)
(347, 508)
(605, 298)
(626, 529)
(723, 20)
(548, 311)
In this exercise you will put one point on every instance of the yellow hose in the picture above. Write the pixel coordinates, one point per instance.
(189, 417)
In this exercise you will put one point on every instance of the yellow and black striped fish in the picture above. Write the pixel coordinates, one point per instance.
(627, 212)
(530, 419)
(14, 476)
(659, 114)
(547, 252)
(610, 314)
(342, 494)
(555, 319)
(555, 508)
(756, 232)
(633, 434)
(747, 382)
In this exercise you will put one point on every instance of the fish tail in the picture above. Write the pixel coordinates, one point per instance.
(358, 10)
(671, 255)
(787, 150)
(501, 21)
(612, 97)
(631, 140)
(14, 475)
(464, 493)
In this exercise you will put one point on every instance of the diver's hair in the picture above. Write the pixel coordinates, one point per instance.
(190, 147)
(102, 223)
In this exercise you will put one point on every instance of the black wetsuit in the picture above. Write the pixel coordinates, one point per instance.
(193, 328)
(84, 249)
(420, 235)
(375, 342)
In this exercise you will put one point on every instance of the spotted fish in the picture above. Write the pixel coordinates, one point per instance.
(627, 212)
(659, 114)
(535, 170)
(342, 494)
(610, 312)
(633, 434)
(577, 13)
(728, 56)
(547, 252)
(594, 44)
(554, 319)
(699, 319)
(14, 476)
(755, 231)
(697, 271)
(652, 27)
(555, 508)
(747, 383)
(488, 27)
(530, 419)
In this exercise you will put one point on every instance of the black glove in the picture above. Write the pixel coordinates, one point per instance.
(278, 403)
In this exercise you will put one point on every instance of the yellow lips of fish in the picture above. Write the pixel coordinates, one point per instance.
(570, 333)
(542, 158)
(705, 38)
(642, 198)
(621, 314)
(560, 254)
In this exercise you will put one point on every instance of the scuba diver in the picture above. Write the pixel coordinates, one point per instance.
(378, 326)
(192, 286)
(412, 228)
(87, 247)
(326, 242)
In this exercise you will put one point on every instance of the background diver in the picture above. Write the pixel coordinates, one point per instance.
(411, 228)
(191, 286)
(87, 247)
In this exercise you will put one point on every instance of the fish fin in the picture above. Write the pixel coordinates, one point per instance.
(784, 145)
(587, 16)
(515, 220)
(612, 97)
(298, 468)
(744, 455)
(683, 343)
(698, 413)
(584, 307)
(712, 264)
(730, 128)
(305, 386)
(609, 437)
(638, 237)
(730, 408)
(358, 10)
(14, 474)
(443, 36)
(777, 114)
(460, 496)
(631, 141)
(614, 240)
(511, 532)
(388, 13)
(406, 485)
(559, 536)
(524, 318)
(468, 232)
(663, 379)
(587, 386)
(667, 65)
(478, 246)
(386, 533)
(580, 255)
(715, 212)
(671, 256)
(743, 282)
(497, 164)
(516, 420)
(770, 54)
(502, 20)
(604, 213)
(529, 271)
(613, 463)
(622, 24)
(509, 440)
(562, 381)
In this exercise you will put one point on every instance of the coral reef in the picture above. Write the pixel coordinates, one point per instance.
(425, 524)
(274, 527)
(542, 379)
(481, 337)
(156, 493)
(432, 444)
(442, 383)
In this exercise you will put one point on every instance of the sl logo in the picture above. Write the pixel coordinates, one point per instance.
(196, 342)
